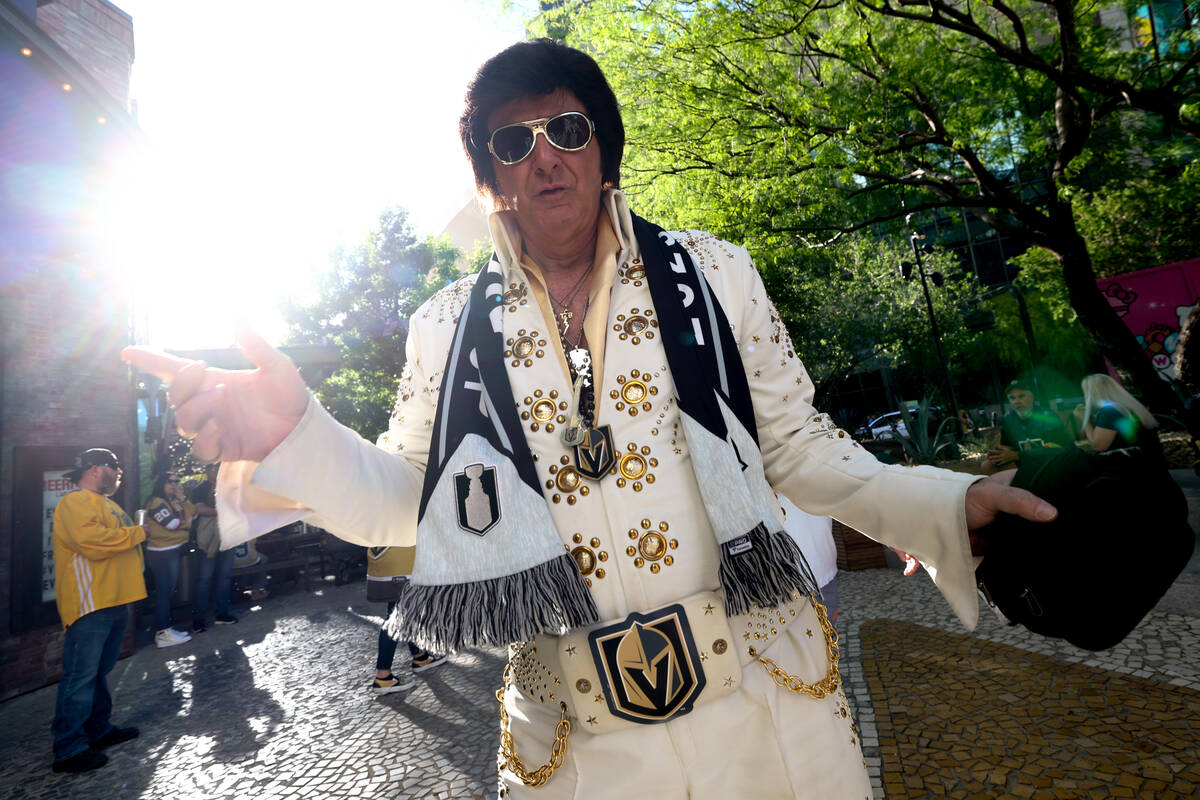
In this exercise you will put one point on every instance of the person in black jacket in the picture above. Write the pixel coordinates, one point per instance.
(1025, 427)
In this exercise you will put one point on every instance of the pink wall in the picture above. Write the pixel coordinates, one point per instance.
(1154, 303)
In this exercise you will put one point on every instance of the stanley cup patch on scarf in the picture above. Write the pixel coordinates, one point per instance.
(478, 498)
(490, 566)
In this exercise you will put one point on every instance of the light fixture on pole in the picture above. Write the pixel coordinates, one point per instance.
(907, 268)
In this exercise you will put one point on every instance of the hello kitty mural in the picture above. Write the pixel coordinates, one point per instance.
(1154, 304)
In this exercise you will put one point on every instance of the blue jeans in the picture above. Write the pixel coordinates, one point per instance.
(164, 565)
(214, 573)
(386, 652)
(90, 650)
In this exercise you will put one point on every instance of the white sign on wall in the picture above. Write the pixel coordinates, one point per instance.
(54, 486)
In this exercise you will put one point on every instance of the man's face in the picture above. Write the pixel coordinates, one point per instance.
(1021, 401)
(110, 479)
(554, 193)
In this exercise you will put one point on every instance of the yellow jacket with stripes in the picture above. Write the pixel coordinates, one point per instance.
(97, 561)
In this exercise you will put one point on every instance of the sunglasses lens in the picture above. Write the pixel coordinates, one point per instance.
(512, 143)
(569, 131)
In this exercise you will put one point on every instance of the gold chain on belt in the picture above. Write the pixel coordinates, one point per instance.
(833, 677)
(513, 762)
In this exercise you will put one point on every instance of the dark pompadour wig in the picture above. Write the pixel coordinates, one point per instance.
(535, 69)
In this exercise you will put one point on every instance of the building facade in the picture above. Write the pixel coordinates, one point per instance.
(64, 303)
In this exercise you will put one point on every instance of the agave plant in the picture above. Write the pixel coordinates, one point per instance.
(919, 445)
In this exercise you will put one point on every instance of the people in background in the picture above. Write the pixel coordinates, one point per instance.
(1025, 427)
(1114, 419)
(168, 517)
(97, 574)
(214, 566)
(387, 570)
(247, 555)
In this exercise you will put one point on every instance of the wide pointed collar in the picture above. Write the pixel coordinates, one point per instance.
(506, 236)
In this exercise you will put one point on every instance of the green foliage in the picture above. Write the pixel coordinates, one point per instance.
(1143, 222)
(790, 126)
(362, 305)
(847, 306)
(920, 446)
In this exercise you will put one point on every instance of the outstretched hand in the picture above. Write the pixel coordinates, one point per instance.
(230, 415)
(987, 498)
(994, 495)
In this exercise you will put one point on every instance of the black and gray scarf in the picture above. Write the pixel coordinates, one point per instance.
(490, 567)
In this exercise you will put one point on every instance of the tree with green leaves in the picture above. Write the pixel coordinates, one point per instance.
(363, 303)
(848, 308)
(791, 124)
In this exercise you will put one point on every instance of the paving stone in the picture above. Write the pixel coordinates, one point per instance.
(1046, 738)
(276, 708)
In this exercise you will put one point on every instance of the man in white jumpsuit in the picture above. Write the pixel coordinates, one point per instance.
(645, 672)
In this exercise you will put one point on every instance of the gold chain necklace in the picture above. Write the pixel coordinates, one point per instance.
(564, 315)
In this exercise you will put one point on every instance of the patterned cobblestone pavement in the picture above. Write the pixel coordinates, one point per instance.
(1160, 651)
(960, 717)
(276, 707)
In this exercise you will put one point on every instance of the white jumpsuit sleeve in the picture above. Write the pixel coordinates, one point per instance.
(328, 475)
(821, 469)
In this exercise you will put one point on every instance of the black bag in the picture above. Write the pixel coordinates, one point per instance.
(1119, 542)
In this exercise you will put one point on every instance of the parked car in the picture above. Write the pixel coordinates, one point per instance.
(887, 426)
(882, 427)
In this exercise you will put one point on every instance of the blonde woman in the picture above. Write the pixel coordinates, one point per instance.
(1113, 418)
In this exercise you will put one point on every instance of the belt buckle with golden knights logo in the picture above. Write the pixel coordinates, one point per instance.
(649, 665)
(595, 455)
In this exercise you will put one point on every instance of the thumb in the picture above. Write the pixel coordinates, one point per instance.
(1025, 504)
(255, 346)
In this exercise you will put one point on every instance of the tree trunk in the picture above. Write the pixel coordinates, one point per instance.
(1116, 341)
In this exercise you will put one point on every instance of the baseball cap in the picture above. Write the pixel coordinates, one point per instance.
(1019, 383)
(95, 457)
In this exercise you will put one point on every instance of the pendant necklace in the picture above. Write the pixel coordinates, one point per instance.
(595, 455)
(564, 315)
(579, 363)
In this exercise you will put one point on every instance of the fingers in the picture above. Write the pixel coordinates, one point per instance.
(156, 362)
(256, 348)
(206, 447)
(192, 413)
(1024, 504)
(910, 562)
(188, 381)
(993, 495)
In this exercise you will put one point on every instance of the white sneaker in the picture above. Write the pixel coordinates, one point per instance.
(168, 637)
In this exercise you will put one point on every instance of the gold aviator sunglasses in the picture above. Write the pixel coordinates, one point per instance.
(512, 144)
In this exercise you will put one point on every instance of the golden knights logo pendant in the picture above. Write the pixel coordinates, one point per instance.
(595, 455)
(649, 665)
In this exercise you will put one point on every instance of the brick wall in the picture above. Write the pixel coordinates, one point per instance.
(64, 316)
(98, 35)
(63, 384)
(34, 659)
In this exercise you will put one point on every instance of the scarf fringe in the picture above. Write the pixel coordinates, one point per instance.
(766, 574)
(548, 597)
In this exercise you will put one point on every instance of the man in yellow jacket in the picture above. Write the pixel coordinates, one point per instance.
(97, 573)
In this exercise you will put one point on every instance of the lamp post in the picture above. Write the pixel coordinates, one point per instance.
(1026, 325)
(906, 271)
